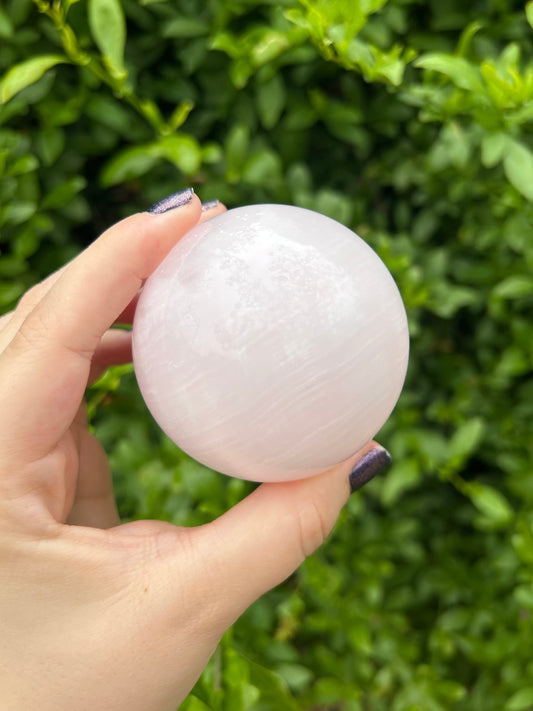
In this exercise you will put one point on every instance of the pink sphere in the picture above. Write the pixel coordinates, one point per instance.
(271, 343)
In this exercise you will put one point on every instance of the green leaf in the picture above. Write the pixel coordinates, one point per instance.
(128, 164)
(108, 111)
(183, 151)
(529, 13)
(27, 73)
(493, 148)
(6, 26)
(23, 164)
(271, 98)
(268, 47)
(274, 689)
(461, 72)
(466, 439)
(240, 72)
(402, 476)
(504, 93)
(108, 28)
(523, 541)
(297, 676)
(447, 299)
(50, 143)
(193, 703)
(236, 148)
(452, 149)
(490, 502)
(212, 153)
(226, 42)
(467, 35)
(249, 695)
(514, 287)
(19, 211)
(393, 71)
(518, 166)
(521, 701)
(334, 204)
(183, 26)
(523, 594)
(262, 168)
(64, 193)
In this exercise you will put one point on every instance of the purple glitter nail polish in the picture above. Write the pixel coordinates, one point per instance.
(172, 201)
(368, 466)
(210, 205)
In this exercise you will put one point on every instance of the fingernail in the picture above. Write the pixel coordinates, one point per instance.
(210, 205)
(368, 466)
(172, 201)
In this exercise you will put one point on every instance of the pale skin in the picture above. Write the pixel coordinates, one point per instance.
(94, 614)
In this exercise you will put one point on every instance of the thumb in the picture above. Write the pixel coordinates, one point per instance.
(263, 539)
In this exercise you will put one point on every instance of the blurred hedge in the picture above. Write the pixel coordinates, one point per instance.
(411, 122)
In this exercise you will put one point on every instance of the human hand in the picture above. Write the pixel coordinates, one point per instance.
(93, 614)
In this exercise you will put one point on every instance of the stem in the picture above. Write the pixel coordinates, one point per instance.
(56, 13)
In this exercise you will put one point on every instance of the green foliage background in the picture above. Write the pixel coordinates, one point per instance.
(411, 122)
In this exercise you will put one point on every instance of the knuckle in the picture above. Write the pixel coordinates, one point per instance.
(32, 330)
(29, 300)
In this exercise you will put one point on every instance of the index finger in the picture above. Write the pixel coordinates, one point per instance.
(44, 370)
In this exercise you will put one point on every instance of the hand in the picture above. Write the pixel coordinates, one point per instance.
(93, 614)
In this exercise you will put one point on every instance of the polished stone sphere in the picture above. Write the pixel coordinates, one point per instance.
(271, 343)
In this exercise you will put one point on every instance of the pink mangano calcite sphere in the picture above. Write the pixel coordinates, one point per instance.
(271, 343)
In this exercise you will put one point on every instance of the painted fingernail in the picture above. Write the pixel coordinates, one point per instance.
(172, 201)
(368, 466)
(210, 205)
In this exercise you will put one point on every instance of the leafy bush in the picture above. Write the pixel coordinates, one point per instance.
(411, 122)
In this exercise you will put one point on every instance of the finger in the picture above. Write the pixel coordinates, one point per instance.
(113, 349)
(44, 370)
(11, 322)
(32, 297)
(128, 314)
(209, 210)
(94, 501)
(263, 540)
(35, 294)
